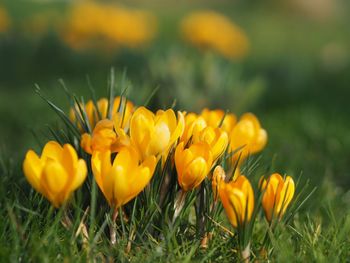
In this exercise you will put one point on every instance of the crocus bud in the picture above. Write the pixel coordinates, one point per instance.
(237, 197)
(192, 164)
(278, 193)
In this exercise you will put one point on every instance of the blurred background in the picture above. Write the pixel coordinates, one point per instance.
(286, 61)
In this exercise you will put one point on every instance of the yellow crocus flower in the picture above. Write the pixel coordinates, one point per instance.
(237, 197)
(192, 164)
(216, 138)
(154, 134)
(104, 138)
(249, 135)
(124, 178)
(56, 173)
(278, 193)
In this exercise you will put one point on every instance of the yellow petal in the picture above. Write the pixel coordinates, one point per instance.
(80, 175)
(69, 159)
(160, 139)
(96, 165)
(54, 177)
(52, 150)
(194, 174)
(32, 168)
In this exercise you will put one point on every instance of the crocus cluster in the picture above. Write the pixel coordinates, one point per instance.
(125, 144)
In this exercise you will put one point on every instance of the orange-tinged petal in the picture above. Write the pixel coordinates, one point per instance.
(85, 143)
(69, 159)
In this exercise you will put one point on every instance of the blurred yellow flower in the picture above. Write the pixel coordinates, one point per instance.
(249, 135)
(278, 193)
(4, 20)
(212, 30)
(155, 134)
(56, 173)
(122, 110)
(237, 197)
(104, 138)
(216, 138)
(110, 25)
(124, 178)
(192, 164)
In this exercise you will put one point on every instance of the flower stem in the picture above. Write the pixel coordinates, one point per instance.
(113, 229)
(245, 253)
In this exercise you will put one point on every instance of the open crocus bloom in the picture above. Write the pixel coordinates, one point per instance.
(154, 134)
(192, 164)
(278, 194)
(56, 173)
(124, 178)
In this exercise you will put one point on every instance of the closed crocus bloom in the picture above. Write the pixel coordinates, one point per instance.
(192, 164)
(237, 197)
(194, 124)
(56, 173)
(125, 177)
(278, 193)
(104, 138)
(154, 134)
(217, 180)
(215, 138)
(249, 135)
